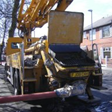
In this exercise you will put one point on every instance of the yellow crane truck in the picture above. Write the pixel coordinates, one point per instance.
(54, 62)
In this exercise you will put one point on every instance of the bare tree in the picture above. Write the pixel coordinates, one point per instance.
(8, 13)
(5, 16)
(5, 20)
(5, 8)
(14, 18)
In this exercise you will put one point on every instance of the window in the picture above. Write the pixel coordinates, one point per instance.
(95, 54)
(94, 34)
(15, 45)
(107, 52)
(84, 35)
(106, 31)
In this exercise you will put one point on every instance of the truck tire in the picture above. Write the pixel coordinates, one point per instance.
(16, 83)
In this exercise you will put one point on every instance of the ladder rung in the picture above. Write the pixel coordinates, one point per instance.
(98, 74)
(30, 80)
(8, 73)
(28, 67)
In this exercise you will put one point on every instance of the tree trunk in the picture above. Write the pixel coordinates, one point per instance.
(3, 41)
(14, 18)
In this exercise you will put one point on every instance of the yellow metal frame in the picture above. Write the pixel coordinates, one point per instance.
(65, 27)
(10, 50)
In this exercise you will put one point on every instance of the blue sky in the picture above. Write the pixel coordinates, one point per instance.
(101, 8)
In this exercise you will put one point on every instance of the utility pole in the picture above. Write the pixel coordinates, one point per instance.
(90, 10)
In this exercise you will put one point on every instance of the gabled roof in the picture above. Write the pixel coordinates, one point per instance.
(100, 22)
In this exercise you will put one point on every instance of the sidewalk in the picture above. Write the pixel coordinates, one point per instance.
(2, 63)
(106, 68)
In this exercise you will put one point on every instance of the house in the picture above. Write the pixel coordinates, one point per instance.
(102, 36)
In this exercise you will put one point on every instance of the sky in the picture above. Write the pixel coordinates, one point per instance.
(101, 8)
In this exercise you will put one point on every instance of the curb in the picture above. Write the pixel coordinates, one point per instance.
(106, 68)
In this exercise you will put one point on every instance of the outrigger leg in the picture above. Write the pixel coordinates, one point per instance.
(89, 93)
(89, 98)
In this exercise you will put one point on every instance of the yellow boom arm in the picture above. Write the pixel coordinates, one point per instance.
(37, 13)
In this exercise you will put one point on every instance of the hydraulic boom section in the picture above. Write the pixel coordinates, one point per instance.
(37, 13)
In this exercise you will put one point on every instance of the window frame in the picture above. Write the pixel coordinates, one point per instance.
(94, 35)
(107, 51)
(103, 29)
(15, 45)
(84, 35)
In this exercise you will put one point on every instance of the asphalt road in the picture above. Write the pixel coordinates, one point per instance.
(105, 96)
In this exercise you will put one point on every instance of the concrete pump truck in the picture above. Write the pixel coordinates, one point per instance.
(54, 63)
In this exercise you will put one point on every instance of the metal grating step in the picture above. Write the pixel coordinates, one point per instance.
(73, 59)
